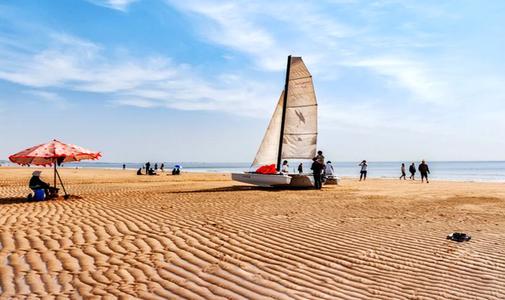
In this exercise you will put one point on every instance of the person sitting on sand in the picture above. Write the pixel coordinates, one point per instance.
(151, 172)
(176, 170)
(139, 171)
(362, 173)
(412, 170)
(328, 169)
(404, 174)
(37, 184)
(424, 170)
(285, 167)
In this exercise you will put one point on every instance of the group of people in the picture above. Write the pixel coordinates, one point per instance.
(320, 169)
(153, 170)
(423, 168)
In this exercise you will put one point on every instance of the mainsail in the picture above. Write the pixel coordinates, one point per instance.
(299, 133)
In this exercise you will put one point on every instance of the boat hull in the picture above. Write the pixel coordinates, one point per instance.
(266, 180)
(274, 180)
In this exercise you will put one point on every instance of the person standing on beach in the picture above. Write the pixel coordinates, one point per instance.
(162, 167)
(317, 169)
(300, 168)
(124, 167)
(362, 173)
(156, 167)
(320, 157)
(148, 166)
(412, 170)
(424, 170)
(404, 174)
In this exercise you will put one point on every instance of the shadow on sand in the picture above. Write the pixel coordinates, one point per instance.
(237, 188)
(14, 200)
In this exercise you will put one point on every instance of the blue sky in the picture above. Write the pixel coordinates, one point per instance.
(198, 80)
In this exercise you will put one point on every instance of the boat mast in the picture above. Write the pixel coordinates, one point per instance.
(284, 102)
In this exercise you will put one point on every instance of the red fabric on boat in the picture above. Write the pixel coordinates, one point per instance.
(268, 169)
(46, 154)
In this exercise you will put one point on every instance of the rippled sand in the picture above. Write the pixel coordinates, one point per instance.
(205, 237)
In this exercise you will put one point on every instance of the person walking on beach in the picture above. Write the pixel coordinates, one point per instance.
(412, 170)
(424, 170)
(317, 169)
(162, 167)
(300, 168)
(404, 175)
(362, 173)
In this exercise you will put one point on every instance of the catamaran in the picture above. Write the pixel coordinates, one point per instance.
(291, 133)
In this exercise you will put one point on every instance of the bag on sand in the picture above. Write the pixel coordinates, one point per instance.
(459, 237)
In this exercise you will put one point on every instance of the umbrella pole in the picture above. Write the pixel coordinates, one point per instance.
(61, 182)
(55, 173)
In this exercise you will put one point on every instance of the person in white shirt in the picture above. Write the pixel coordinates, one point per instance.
(328, 169)
(285, 167)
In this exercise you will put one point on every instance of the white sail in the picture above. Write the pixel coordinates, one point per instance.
(269, 148)
(299, 140)
(300, 125)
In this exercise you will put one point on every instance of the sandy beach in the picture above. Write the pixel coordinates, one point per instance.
(203, 236)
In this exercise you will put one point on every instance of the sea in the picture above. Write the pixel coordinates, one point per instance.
(444, 170)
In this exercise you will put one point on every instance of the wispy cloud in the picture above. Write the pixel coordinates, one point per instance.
(121, 5)
(75, 64)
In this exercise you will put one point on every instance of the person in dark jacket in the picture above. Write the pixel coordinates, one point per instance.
(317, 169)
(412, 170)
(37, 184)
(300, 168)
(148, 166)
(424, 170)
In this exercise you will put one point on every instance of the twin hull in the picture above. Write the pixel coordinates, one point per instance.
(269, 180)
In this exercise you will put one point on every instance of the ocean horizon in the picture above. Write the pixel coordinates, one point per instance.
(492, 171)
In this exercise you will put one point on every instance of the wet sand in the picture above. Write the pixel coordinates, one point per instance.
(202, 236)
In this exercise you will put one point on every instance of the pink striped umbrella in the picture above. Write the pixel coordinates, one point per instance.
(53, 153)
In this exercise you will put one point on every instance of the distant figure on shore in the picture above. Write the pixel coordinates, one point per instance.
(320, 157)
(155, 166)
(151, 172)
(412, 170)
(317, 169)
(148, 166)
(162, 167)
(139, 171)
(404, 173)
(300, 168)
(362, 173)
(176, 170)
(285, 167)
(124, 167)
(424, 170)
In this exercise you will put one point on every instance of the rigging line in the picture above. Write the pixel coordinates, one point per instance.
(310, 76)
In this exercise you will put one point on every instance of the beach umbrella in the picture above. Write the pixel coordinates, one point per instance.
(54, 154)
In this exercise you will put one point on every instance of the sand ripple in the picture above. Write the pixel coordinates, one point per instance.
(201, 237)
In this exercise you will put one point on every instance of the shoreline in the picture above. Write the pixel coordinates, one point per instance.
(196, 171)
